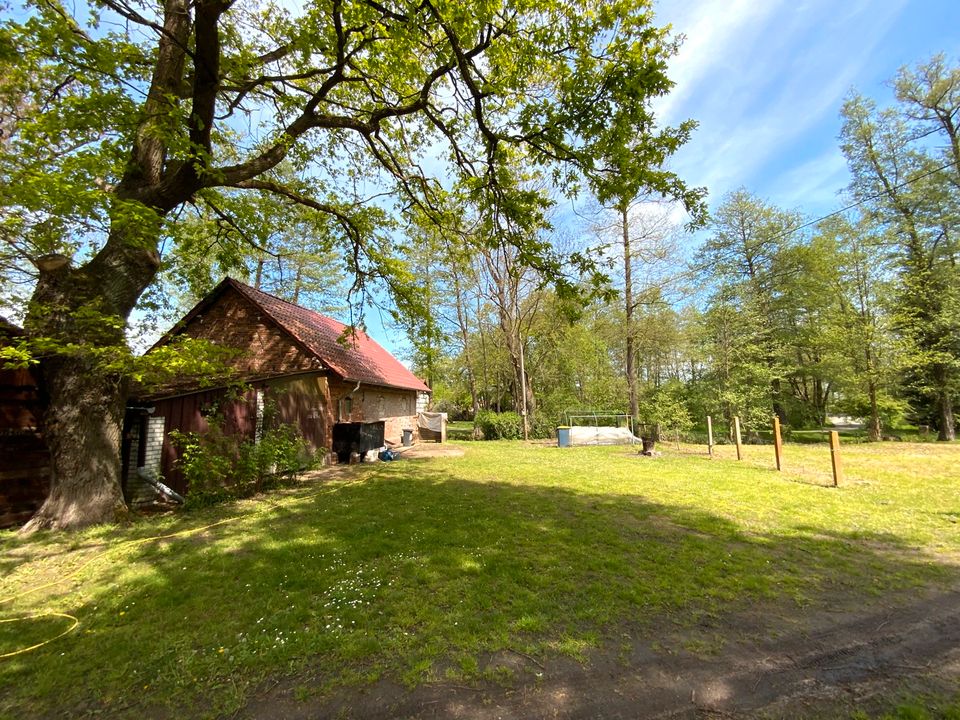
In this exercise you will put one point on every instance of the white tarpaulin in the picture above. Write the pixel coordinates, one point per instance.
(592, 435)
(432, 421)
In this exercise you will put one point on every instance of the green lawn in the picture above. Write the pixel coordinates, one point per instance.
(460, 430)
(415, 569)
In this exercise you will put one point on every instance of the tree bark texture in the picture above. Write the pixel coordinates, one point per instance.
(83, 307)
(83, 419)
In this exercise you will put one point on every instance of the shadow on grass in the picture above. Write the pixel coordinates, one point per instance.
(412, 574)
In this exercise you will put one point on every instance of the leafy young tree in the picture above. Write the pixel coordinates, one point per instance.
(649, 270)
(746, 257)
(804, 315)
(902, 186)
(631, 173)
(738, 376)
(132, 109)
(859, 329)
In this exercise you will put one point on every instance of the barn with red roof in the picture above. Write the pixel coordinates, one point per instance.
(345, 392)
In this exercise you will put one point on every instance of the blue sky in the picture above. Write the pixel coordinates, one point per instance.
(766, 79)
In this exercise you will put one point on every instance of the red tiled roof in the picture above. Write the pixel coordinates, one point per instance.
(356, 357)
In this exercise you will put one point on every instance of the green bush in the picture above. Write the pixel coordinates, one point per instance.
(219, 467)
(499, 426)
(509, 426)
(543, 427)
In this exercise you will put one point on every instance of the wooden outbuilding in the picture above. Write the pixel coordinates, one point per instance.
(345, 392)
(24, 458)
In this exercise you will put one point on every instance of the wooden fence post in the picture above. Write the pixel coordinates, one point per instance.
(710, 436)
(777, 442)
(835, 457)
(736, 437)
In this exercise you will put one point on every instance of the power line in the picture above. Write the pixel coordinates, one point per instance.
(875, 196)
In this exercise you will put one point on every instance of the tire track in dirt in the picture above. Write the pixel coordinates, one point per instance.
(824, 661)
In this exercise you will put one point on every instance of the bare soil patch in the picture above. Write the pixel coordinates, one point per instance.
(429, 450)
(771, 662)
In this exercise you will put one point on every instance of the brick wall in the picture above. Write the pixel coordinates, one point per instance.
(138, 490)
(423, 402)
(264, 349)
(154, 451)
(396, 408)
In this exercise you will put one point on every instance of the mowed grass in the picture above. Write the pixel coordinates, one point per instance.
(421, 570)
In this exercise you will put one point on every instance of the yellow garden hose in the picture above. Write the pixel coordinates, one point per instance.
(45, 642)
(76, 571)
(84, 565)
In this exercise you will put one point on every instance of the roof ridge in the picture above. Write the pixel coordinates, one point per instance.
(292, 304)
(243, 288)
(322, 337)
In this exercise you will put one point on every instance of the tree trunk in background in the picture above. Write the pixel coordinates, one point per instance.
(948, 427)
(483, 354)
(505, 294)
(464, 329)
(874, 428)
(776, 390)
(521, 378)
(258, 277)
(628, 307)
(298, 282)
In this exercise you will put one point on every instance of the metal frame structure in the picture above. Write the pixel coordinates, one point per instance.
(595, 416)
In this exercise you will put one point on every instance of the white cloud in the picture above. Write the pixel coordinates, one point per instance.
(766, 81)
(714, 29)
(816, 183)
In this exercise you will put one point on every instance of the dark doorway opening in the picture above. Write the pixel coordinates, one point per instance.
(356, 438)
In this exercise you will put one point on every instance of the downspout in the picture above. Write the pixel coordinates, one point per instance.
(144, 474)
(349, 395)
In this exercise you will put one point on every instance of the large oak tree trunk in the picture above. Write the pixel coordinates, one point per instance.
(84, 310)
(83, 421)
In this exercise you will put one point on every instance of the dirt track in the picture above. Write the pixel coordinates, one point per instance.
(821, 664)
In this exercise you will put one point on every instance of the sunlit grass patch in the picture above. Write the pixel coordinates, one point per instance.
(417, 570)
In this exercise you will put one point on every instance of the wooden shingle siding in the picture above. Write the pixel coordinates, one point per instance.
(24, 458)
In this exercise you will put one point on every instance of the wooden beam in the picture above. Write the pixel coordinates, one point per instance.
(835, 457)
(736, 437)
(777, 442)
